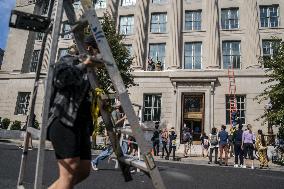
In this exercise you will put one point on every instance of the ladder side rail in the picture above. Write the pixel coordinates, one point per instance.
(122, 92)
(48, 91)
(33, 101)
(79, 37)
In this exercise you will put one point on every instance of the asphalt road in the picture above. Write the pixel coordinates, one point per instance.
(175, 175)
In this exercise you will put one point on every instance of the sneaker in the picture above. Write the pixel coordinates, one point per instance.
(30, 148)
(209, 162)
(21, 147)
(236, 165)
(244, 166)
(94, 166)
(252, 167)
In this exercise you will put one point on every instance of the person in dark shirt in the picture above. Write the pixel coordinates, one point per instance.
(223, 144)
(156, 139)
(237, 140)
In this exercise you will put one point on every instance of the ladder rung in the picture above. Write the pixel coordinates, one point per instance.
(135, 163)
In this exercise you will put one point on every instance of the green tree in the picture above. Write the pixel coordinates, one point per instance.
(120, 53)
(274, 92)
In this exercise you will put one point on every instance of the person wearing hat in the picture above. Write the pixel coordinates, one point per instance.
(172, 146)
(70, 120)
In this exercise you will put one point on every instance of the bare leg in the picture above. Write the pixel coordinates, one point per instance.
(67, 173)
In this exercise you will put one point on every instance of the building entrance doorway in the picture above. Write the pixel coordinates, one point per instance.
(193, 114)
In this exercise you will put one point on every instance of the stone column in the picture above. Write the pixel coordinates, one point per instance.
(213, 34)
(174, 28)
(139, 44)
(251, 44)
(112, 6)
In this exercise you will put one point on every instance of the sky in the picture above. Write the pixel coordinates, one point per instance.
(5, 9)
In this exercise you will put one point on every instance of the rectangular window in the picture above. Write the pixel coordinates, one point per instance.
(39, 36)
(159, 1)
(158, 23)
(128, 2)
(35, 59)
(230, 18)
(152, 107)
(44, 8)
(192, 55)
(157, 53)
(241, 106)
(269, 16)
(193, 20)
(22, 104)
(65, 29)
(129, 48)
(62, 52)
(231, 54)
(101, 4)
(126, 24)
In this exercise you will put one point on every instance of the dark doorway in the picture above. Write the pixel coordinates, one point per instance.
(193, 114)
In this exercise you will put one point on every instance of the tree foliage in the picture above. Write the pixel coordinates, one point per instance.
(120, 53)
(274, 92)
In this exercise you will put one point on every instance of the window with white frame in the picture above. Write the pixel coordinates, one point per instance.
(66, 28)
(230, 18)
(160, 1)
(193, 55)
(157, 53)
(158, 23)
(128, 2)
(126, 24)
(269, 16)
(268, 47)
(231, 54)
(100, 4)
(22, 103)
(241, 106)
(152, 107)
(129, 48)
(35, 59)
(192, 20)
(62, 52)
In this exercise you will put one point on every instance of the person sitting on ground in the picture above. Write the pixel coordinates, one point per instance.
(261, 147)
(213, 145)
(106, 153)
(70, 120)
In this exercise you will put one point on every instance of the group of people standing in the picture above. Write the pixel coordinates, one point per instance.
(167, 138)
(244, 144)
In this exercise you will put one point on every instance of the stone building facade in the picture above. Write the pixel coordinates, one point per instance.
(181, 50)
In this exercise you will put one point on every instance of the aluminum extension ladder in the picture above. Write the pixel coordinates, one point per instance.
(57, 7)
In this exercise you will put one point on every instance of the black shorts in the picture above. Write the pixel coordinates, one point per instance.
(70, 142)
(248, 150)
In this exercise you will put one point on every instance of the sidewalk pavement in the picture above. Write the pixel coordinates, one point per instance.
(198, 160)
(194, 159)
